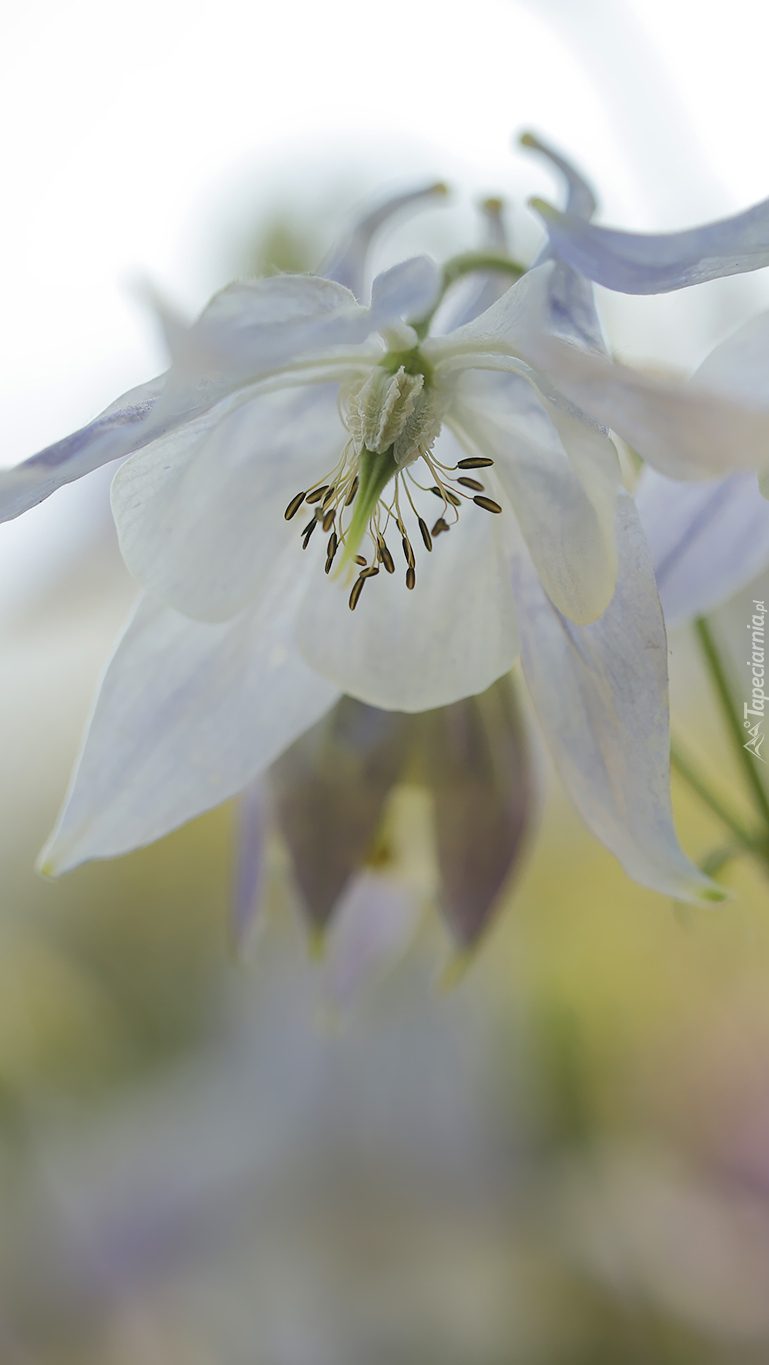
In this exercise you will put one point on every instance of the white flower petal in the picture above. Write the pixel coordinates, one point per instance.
(600, 692)
(561, 475)
(187, 715)
(451, 637)
(200, 513)
(124, 425)
(739, 366)
(687, 431)
(707, 540)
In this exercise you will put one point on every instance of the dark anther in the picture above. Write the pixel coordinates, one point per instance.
(471, 483)
(425, 534)
(360, 560)
(333, 545)
(411, 578)
(385, 556)
(328, 520)
(317, 493)
(370, 572)
(357, 589)
(408, 552)
(307, 532)
(439, 526)
(488, 504)
(293, 506)
(329, 495)
(475, 462)
(352, 491)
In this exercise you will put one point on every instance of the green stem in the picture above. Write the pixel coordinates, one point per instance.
(733, 717)
(466, 264)
(689, 773)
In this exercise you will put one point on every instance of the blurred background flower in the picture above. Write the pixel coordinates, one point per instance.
(214, 1160)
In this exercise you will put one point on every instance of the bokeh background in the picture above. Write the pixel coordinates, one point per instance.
(254, 1158)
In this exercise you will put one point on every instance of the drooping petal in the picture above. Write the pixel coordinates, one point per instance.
(707, 540)
(600, 692)
(655, 263)
(123, 426)
(411, 651)
(200, 513)
(187, 715)
(476, 766)
(347, 265)
(330, 788)
(560, 473)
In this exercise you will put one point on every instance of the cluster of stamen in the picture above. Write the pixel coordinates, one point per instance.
(393, 417)
(332, 497)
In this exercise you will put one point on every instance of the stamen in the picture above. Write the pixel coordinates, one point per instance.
(360, 560)
(370, 572)
(488, 504)
(352, 491)
(293, 506)
(411, 578)
(328, 520)
(307, 532)
(317, 493)
(329, 495)
(385, 556)
(440, 526)
(447, 495)
(425, 534)
(471, 483)
(357, 589)
(333, 545)
(408, 552)
(474, 462)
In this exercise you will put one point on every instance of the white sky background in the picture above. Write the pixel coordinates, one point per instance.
(142, 139)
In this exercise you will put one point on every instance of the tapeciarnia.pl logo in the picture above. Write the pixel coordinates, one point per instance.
(757, 704)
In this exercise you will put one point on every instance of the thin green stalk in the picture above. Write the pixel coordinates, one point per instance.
(689, 773)
(733, 717)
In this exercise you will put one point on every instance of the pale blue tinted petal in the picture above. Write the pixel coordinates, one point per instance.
(560, 474)
(256, 327)
(688, 431)
(123, 426)
(600, 693)
(187, 715)
(407, 290)
(259, 326)
(200, 513)
(581, 201)
(641, 263)
(707, 540)
(571, 301)
(347, 265)
(450, 637)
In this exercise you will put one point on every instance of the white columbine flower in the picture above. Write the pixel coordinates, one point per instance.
(321, 499)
